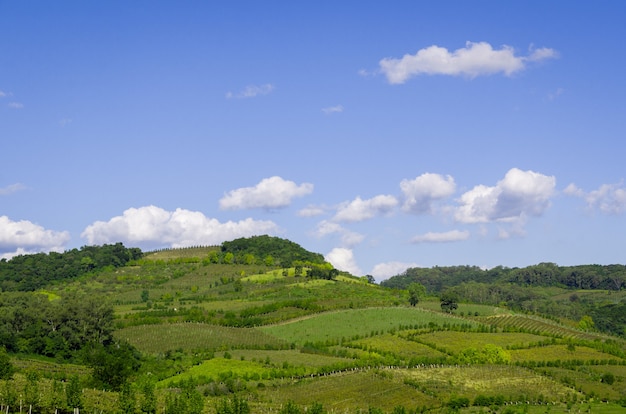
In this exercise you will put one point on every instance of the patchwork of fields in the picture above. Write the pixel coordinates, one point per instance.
(276, 339)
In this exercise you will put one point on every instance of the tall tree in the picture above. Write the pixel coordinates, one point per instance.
(416, 291)
(449, 301)
(6, 368)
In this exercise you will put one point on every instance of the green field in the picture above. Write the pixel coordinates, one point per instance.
(155, 339)
(353, 324)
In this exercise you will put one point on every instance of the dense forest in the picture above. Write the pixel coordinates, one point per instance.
(33, 271)
(528, 289)
(272, 250)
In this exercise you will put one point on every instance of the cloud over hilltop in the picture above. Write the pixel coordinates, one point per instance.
(154, 226)
(24, 237)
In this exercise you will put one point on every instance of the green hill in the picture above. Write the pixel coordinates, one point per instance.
(261, 325)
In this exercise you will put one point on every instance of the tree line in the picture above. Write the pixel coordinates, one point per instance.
(35, 271)
(436, 279)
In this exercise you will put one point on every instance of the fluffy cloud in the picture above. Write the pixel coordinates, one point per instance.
(251, 91)
(520, 194)
(473, 60)
(421, 192)
(384, 271)
(25, 237)
(445, 237)
(609, 198)
(332, 109)
(359, 210)
(15, 105)
(343, 259)
(348, 238)
(270, 193)
(11, 189)
(154, 226)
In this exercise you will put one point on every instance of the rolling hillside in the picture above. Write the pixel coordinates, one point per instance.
(221, 330)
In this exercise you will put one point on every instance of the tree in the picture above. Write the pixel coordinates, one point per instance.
(290, 408)
(73, 393)
(449, 301)
(586, 323)
(370, 279)
(228, 258)
(113, 364)
(416, 291)
(127, 399)
(6, 368)
(148, 402)
(235, 405)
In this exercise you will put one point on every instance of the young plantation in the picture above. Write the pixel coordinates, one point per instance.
(200, 330)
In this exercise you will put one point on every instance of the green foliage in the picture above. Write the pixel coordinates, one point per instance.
(148, 403)
(30, 323)
(290, 408)
(127, 401)
(489, 354)
(282, 252)
(112, 364)
(73, 393)
(449, 301)
(188, 400)
(608, 378)
(35, 271)
(234, 405)
(456, 403)
(6, 368)
(416, 291)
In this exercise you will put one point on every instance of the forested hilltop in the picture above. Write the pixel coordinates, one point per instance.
(532, 289)
(34, 271)
(260, 325)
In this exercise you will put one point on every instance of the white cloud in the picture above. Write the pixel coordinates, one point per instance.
(251, 91)
(444, 237)
(385, 270)
(520, 194)
(359, 210)
(348, 238)
(270, 193)
(15, 105)
(473, 60)
(573, 190)
(2, 94)
(343, 259)
(155, 226)
(333, 109)
(608, 198)
(421, 192)
(312, 211)
(11, 189)
(25, 237)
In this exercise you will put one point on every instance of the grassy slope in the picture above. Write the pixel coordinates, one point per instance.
(337, 341)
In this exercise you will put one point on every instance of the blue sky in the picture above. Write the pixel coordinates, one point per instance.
(381, 134)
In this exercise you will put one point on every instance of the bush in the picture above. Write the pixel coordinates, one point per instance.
(608, 378)
(6, 368)
(456, 403)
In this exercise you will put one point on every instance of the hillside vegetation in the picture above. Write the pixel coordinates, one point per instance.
(261, 325)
